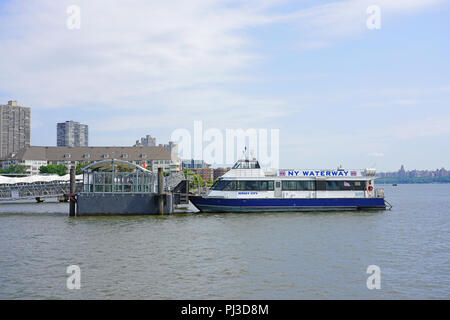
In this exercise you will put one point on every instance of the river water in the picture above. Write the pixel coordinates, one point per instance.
(231, 256)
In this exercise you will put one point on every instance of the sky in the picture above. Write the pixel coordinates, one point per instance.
(339, 92)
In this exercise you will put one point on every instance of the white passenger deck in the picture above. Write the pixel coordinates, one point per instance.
(248, 180)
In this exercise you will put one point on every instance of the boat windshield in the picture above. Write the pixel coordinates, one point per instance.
(246, 164)
(219, 185)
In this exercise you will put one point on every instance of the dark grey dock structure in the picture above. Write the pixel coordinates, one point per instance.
(117, 187)
(89, 204)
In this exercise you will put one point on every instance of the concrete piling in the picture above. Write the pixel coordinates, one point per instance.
(160, 191)
(187, 191)
(72, 193)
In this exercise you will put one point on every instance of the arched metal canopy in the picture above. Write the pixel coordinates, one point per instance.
(109, 164)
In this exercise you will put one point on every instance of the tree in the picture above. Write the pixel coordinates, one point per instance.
(59, 169)
(194, 178)
(211, 182)
(80, 166)
(15, 168)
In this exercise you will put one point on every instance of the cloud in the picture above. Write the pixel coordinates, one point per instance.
(376, 154)
(326, 24)
(160, 61)
(428, 127)
(445, 88)
(182, 109)
(399, 102)
(123, 49)
(137, 48)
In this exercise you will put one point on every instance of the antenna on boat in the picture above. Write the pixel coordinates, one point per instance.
(252, 155)
(243, 153)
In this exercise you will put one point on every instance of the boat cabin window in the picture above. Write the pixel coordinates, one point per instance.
(248, 185)
(246, 164)
(219, 185)
(231, 186)
(299, 185)
(243, 185)
(323, 185)
(340, 185)
(266, 185)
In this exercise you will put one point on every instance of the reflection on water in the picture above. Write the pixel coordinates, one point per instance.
(231, 256)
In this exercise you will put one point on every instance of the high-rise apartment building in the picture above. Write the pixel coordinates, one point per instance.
(14, 128)
(72, 134)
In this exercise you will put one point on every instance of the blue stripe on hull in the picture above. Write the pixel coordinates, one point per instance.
(289, 204)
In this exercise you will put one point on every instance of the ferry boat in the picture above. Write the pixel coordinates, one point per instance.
(248, 188)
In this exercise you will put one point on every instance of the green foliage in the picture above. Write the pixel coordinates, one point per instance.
(194, 178)
(59, 169)
(211, 182)
(123, 169)
(15, 168)
(80, 166)
(186, 173)
(389, 180)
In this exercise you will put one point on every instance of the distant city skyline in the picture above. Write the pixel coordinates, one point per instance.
(416, 173)
(149, 140)
(340, 93)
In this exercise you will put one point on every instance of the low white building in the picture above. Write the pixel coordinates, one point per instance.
(31, 165)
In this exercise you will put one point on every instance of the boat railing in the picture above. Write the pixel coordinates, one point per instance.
(247, 173)
(379, 193)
